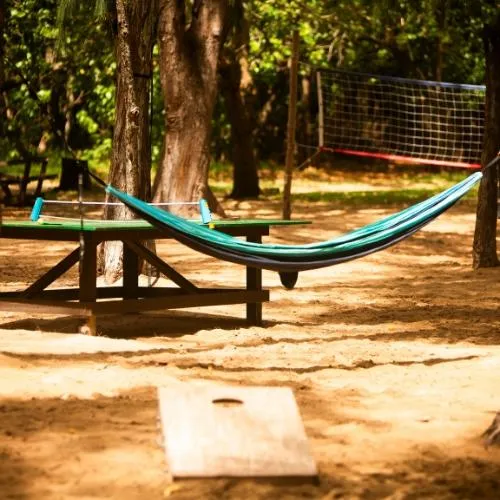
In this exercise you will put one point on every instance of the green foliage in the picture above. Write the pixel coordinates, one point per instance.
(372, 198)
(389, 36)
(56, 97)
(425, 39)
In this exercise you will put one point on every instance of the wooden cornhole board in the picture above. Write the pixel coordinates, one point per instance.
(230, 431)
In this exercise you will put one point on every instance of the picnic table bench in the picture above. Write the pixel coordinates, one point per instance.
(22, 181)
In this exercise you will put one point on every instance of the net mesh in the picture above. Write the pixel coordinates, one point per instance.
(414, 120)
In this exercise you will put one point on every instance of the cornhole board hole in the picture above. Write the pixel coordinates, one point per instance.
(231, 431)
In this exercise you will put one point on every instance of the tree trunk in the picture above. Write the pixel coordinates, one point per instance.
(236, 87)
(484, 247)
(2, 55)
(245, 178)
(441, 17)
(131, 162)
(305, 126)
(189, 53)
(3, 125)
(2, 81)
(290, 138)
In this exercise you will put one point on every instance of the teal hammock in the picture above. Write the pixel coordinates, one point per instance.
(294, 258)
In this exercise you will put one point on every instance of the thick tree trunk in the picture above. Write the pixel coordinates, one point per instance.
(3, 121)
(2, 55)
(245, 178)
(236, 87)
(189, 53)
(2, 80)
(131, 162)
(484, 248)
(305, 125)
(441, 16)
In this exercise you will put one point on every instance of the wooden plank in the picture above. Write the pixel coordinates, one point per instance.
(87, 274)
(143, 292)
(50, 276)
(179, 301)
(130, 272)
(226, 431)
(44, 307)
(240, 227)
(53, 294)
(12, 301)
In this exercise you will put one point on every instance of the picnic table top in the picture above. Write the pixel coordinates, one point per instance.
(104, 225)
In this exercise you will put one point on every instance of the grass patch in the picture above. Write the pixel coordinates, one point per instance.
(394, 185)
(397, 187)
(376, 198)
(351, 198)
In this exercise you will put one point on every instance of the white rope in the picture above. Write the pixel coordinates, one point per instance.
(56, 218)
(66, 202)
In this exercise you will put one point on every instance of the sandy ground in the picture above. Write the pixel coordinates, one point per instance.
(394, 361)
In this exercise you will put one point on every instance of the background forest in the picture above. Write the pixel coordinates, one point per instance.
(58, 90)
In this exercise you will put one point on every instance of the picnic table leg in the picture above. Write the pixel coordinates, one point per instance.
(130, 273)
(87, 280)
(254, 282)
(90, 327)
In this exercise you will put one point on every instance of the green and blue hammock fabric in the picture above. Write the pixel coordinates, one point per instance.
(294, 258)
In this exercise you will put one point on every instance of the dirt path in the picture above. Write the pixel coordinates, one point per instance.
(393, 359)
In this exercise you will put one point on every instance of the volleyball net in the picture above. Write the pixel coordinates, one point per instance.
(399, 119)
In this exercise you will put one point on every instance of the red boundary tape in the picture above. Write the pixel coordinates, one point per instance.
(405, 159)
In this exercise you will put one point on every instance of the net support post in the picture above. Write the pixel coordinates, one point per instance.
(205, 214)
(37, 209)
(321, 116)
(292, 117)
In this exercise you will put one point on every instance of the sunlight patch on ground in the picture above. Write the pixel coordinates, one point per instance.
(328, 187)
(23, 342)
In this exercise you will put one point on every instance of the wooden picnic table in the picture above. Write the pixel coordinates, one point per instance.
(89, 300)
(7, 179)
